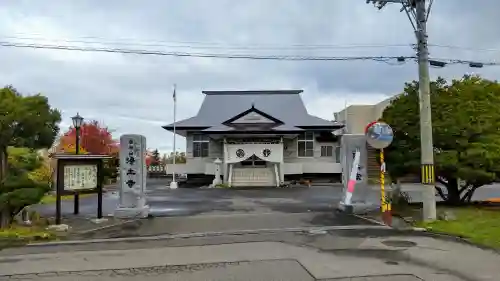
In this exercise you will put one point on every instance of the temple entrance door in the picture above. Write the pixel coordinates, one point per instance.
(253, 172)
(254, 161)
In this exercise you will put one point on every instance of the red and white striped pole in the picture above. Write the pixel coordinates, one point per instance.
(352, 179)
(346, 203)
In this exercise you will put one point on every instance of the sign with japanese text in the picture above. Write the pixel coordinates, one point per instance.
(133, 170)
(79, 177)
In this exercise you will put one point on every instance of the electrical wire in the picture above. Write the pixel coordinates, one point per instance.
(200, 45)
(386, 59)
(193, 44)
(220, 45)
(465, 48)
(203, 55)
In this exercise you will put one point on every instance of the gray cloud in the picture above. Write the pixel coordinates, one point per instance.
(132, 94)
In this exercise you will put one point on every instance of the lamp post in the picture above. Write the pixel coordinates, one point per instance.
(77, 123)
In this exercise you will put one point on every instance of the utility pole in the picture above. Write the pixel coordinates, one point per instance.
(418, 13)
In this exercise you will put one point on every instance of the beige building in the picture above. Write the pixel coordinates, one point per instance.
(356, 117)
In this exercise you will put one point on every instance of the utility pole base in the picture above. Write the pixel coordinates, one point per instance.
(429, 202)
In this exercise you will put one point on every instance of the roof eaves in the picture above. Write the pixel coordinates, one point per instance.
(194, 128)
(252, 109)
(254, 92)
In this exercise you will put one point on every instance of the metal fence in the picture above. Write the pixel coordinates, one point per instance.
(156, 171)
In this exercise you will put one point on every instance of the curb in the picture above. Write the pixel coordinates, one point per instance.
(435, 234)
(207, 234)
(371, 220)
(104, 227)
(454, 238)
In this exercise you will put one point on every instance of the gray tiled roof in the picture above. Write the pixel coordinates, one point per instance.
(218, 128)
(287, 106)
(286, 127)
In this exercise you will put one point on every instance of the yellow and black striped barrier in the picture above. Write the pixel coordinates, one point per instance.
(428, 173)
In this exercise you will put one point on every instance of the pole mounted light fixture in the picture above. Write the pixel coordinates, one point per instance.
(77, 121)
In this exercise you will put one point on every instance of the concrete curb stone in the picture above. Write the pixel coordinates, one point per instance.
(436, 234)
(206, 234)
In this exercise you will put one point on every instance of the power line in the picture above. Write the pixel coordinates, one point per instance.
(465, 48)
(438, 62)
(201, 45)
(204, 55)
(223, 45)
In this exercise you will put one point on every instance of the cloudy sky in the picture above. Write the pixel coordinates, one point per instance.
(133, 93)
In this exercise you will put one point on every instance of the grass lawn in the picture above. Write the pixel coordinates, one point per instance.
(480, 225)
(51, 198)
(15, 235)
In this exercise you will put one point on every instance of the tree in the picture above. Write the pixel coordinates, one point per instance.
(26, 182)
(71, 149)
(149, 158)
(466, 134)
(180, 158)
(43, 174)
(94, 139)
(22, 160)
(25, 121)
(155, 158)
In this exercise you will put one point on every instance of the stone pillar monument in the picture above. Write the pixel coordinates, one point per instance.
(133, 173)
(218, 169)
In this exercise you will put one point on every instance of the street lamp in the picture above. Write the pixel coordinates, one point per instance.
(418, 13)
(77, 123)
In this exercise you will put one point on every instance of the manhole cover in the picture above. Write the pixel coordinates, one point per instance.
(399, 243)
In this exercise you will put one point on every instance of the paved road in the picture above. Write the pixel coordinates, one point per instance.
(184, 202)
(254, 234)
(341, 255)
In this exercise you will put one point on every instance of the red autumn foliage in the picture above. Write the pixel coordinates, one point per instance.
(93, 138)
(149, 159)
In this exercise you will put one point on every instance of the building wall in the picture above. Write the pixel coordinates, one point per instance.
(291, 152)
(379, 108)
(356, 117)
(198, 165)
(292, 163)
